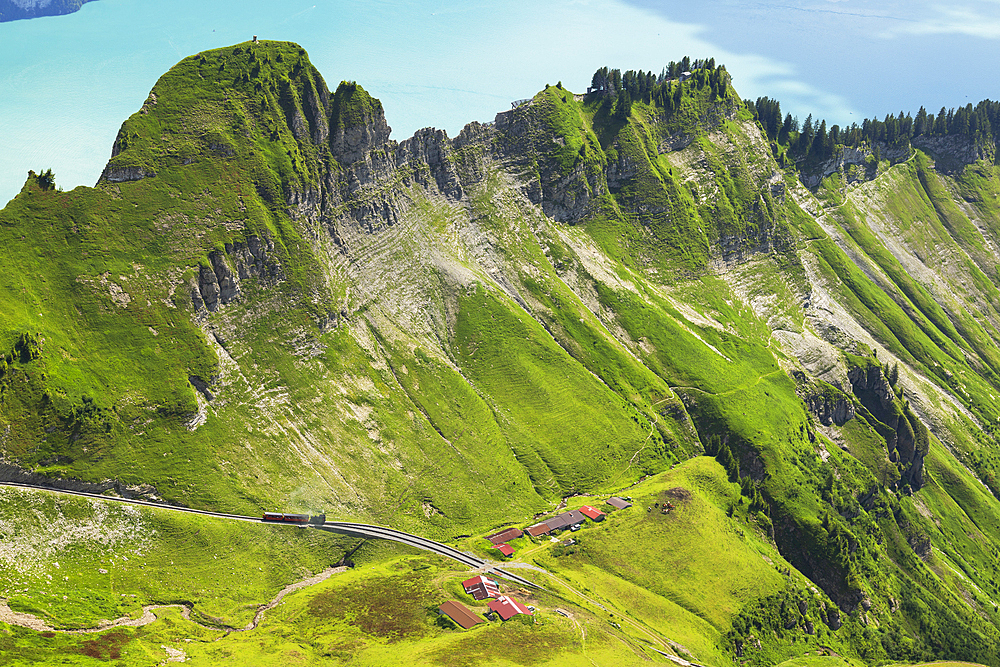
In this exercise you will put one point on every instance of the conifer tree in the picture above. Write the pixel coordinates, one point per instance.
(819, 145)
(47, 180)
(786, 128)
(623, 105)
(920, 122)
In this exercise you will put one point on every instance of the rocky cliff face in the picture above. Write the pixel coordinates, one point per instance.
(952, 153)
(855, 165)
(218, 282)
(906, 438)
(358, 124)
(831, 409)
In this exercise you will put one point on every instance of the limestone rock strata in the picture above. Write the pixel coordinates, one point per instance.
(218, 283)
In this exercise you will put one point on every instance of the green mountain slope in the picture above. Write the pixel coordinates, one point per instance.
(266, 303)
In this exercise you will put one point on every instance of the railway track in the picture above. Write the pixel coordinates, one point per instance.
(361, 530)
(380, 532)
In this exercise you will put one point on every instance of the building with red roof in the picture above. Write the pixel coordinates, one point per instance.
(507, 607)
(505, 549)
(481, 588)
(592, 514)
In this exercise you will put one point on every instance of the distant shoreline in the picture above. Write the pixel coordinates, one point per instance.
(15, 10)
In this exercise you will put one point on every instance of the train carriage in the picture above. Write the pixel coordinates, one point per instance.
(280, 517)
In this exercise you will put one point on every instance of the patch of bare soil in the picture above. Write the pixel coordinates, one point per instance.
(677, 494)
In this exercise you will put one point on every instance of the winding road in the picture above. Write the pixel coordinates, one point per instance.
(361, 530)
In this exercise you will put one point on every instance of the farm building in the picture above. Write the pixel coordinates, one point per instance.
(505, 549)
(592, 514)
(481, 588)
(618, 503)
(565, 520)
(538, 530)
(507, 607)
(459, 613)
(505, 536)
(557, 523)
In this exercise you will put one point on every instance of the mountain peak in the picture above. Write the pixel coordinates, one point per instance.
(262, 97)
(358, 122)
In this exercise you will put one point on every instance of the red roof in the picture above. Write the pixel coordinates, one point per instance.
(459, 613)
(505, 535)
(507, 607)
(505, 549)
(481, 588)
(468, 583)
(591, 513)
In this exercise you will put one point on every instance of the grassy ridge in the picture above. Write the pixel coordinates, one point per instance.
(534, 385)
(693, 557)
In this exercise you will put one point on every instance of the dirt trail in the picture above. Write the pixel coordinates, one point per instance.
(32, 622)
(620, 617)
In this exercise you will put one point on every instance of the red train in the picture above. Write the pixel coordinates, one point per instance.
(278, 517)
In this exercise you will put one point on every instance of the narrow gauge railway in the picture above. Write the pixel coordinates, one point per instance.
(362, 530)
(380, 532)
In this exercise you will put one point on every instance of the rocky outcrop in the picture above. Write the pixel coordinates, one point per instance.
(430, 153)
(316, 105)
(872, 387)
(350, 144)
(523, 144)
(675, 142)
(831, 409)
(854, 164)
(953, 152)
(907, 438)
(218, 283)
(18, 475)
(357, 124)
(760, 238)
(119, 172)
(367, 190)
(831, 616)
(122, 174)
